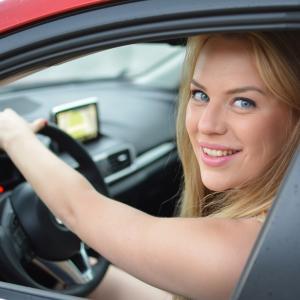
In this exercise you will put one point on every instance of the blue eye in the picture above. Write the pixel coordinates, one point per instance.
(244, 103)
(200, 96)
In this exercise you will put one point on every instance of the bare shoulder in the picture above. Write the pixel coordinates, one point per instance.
(227, 232)
(235, 231)
(220, 254)
(230, 240)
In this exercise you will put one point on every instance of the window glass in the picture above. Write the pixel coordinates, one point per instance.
(129, 62)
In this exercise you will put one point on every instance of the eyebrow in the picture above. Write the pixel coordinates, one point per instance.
(235, 90)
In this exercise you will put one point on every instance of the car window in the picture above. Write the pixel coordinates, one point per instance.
(141, 63)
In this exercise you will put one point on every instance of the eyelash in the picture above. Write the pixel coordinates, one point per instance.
(247, 100)
(194, 92)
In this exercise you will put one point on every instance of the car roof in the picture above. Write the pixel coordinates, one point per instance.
(17, 13)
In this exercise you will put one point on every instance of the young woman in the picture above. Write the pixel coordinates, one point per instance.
(238, 127)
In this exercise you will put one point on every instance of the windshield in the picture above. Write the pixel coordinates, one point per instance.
(128, 62)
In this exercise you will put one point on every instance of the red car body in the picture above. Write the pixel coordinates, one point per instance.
(17, 13)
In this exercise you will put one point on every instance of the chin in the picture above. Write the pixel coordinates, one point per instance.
(216, 185)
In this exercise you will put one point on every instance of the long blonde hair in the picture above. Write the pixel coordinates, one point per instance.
(278, 63)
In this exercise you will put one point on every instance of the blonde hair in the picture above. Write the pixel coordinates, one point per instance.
(278, 63)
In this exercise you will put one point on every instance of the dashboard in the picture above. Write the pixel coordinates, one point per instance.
(132, 140)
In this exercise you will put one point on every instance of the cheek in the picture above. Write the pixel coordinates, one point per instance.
(275, 137)
(190, 121)
(264, 137)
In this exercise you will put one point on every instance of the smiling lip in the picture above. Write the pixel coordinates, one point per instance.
(217, 161)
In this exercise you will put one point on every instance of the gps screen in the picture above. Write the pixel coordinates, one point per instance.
(79, 122)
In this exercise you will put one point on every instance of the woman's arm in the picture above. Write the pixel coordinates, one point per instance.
(196, 257)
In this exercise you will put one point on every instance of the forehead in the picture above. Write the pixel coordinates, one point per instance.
(216, 49)
(229, 60)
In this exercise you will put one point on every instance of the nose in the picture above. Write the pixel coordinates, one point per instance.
(212, 119)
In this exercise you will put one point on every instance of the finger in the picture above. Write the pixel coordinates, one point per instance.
(38, 124)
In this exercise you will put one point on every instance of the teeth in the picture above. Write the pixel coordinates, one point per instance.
(218, 153)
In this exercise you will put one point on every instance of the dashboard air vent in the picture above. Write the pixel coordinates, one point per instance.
(119, 161)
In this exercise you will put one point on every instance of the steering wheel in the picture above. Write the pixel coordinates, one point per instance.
(34, 241)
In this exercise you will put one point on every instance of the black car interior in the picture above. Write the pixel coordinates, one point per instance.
(137, 142)
(126, 147)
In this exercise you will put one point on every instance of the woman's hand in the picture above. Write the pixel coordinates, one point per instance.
(12, 127)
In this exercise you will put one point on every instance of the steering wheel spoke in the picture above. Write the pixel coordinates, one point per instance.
(76, 270)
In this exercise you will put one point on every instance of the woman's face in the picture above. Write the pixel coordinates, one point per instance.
(235, 125)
